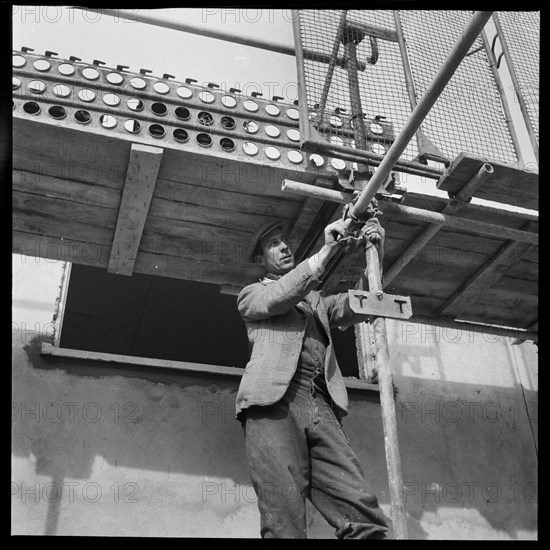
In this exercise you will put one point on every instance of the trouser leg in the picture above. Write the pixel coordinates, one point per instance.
(277, 456)
(339, 489)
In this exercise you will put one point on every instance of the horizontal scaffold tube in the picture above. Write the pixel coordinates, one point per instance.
(419, 214)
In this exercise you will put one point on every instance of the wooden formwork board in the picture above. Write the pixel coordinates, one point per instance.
(513, 185)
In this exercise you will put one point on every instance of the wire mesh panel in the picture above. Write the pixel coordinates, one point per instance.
(521, 32)
(359, 94)
(468, 115)
(361, 99)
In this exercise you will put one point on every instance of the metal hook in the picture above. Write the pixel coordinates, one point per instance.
(374, 51)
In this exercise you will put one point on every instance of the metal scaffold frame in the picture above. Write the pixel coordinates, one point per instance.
(358, 203)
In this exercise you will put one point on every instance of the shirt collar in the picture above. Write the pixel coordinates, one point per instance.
(270, 278)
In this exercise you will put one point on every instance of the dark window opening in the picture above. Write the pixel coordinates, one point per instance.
(164, 318)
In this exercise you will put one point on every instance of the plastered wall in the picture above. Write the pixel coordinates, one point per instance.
(120, 451)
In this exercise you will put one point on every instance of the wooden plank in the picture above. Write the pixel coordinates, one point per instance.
(141, 179)
(162, 208)
(85, 253)
(204, 195)
(486, 276)
(517, 286)
(94, 194)
(62, 210)
(51, 150)
(507, 184)
(214, 245)
(70, 190)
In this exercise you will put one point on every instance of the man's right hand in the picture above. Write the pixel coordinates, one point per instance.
(336, 231)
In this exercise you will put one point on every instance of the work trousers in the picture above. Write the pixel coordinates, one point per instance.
(297, 449)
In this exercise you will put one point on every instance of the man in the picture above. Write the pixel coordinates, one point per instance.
(292, 394)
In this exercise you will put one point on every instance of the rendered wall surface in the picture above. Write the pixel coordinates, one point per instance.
(157, 454)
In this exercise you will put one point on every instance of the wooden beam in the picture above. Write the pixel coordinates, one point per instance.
(485, 277)
(509, 184)
(141, 178)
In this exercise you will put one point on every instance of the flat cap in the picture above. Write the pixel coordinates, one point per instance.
(261, 232)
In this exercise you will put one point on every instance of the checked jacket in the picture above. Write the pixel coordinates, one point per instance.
(276, 330)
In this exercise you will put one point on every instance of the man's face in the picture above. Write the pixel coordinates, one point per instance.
(276, 256)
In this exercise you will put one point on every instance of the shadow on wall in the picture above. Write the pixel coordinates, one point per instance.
(455, 469)
(465, 448)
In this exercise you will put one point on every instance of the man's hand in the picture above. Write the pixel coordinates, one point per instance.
(336, 231)
(374, 232)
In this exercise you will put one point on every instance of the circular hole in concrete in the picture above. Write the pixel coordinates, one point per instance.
(180, 135)
(182, 113)
(42, 65)
(378, 148)
(107, 121)
(295, 157)
(86, 95)
(90, 73)
(293, 114)
(250, 105)
(18, 61)
(272, 110)
(111, 99)
(206, 119)
(157, 131)
(293, 135)
(61, 90)
(376, 128)
(115, 78)
(229, 101)
(335, 121)
(138, 83)
(37, 87)
(31, 107)
(228, 122)
(161, 87)
(272, 153)
(184, 92)
(316, 160)
(58, 112)
(250, 126)
(250, 148)
(207, 97)
(135, 104)
(159, 109)
(272, 131)
(338, 164)
(132, 126)
(66, 69)
(227, 144)
(204, 140)
(82, 116)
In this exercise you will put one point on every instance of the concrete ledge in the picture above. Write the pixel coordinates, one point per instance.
(180, 366)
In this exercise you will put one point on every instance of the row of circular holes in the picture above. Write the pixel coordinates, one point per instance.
(156, 130)
(160, 109)
(179, 134)
(135, 104)
(160, 87)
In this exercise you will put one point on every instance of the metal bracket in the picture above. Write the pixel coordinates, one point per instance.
(379, 304)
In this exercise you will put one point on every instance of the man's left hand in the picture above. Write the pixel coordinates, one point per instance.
(374, 231)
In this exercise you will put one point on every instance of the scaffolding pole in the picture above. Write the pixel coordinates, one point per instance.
(141, 16)
(387, 401)
(423, 107)
(418, 214)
